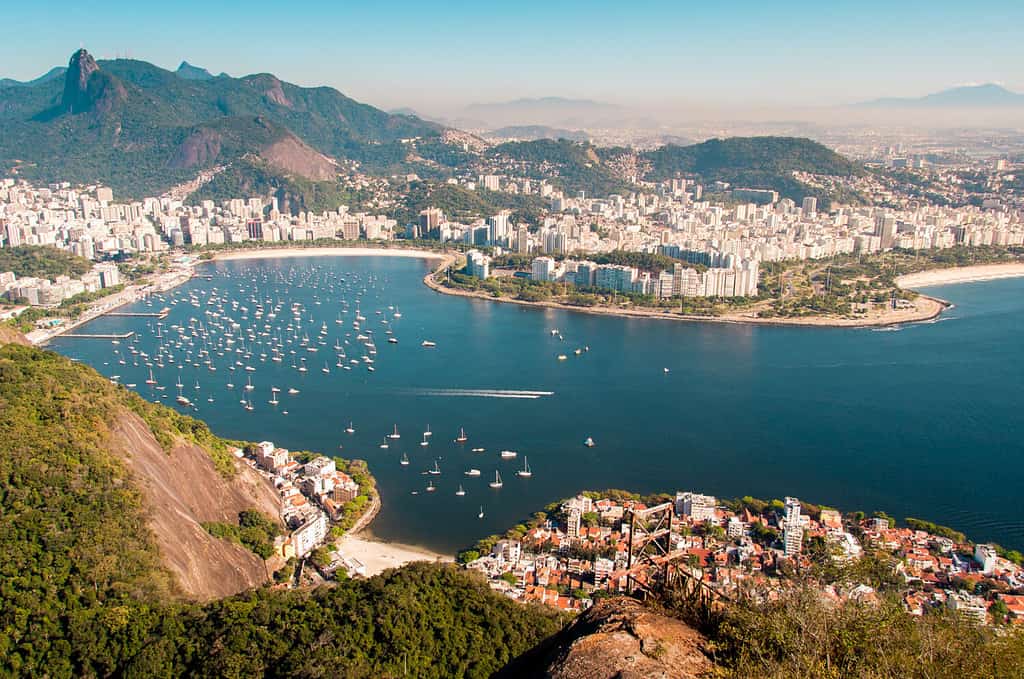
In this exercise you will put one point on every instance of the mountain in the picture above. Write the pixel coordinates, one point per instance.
(142, 129)
(554, 111)
(190, 72)
(534, 132)
(753, 162)
(53, 74)
(110, 567)
(968, 96)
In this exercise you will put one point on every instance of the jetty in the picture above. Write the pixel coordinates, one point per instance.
(140, 314)
(121, 336)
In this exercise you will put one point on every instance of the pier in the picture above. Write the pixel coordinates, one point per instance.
(121, 336)
(140, 314)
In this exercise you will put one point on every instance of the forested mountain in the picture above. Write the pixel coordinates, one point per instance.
(141, 129)
(94, 585)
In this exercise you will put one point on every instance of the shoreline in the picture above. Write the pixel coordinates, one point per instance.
(960, 274)
(932, 308)
(271, 253)
(378, 556)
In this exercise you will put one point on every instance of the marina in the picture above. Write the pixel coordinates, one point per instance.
(728, 418)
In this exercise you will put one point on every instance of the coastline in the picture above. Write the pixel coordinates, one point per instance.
(928, 308)
(378, 556)
(271, 253)
(961, 274)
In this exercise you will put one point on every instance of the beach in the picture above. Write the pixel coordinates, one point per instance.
(269, 253)
(963, 274)
(380, 556)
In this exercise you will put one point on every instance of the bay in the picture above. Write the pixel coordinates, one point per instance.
(922, 421)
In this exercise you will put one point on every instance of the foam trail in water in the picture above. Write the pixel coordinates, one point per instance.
(481, 393)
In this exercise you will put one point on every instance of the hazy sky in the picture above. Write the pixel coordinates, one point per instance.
(640, 52)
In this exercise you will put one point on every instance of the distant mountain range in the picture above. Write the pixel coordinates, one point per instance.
(551, 111)
(533, 132)
(52, 74)
(967, 96)
(141, 129)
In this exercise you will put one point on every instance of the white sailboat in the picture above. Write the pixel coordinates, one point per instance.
(496, 483)
(525, 472)
(460, 492)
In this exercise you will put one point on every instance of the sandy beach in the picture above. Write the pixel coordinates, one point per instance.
(963, 274)
(269, 253)
(380, 556)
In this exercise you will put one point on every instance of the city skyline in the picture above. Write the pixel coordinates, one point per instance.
(650, 55)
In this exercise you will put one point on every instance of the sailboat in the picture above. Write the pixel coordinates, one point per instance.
(462, 438)
(395, 434)
(460, 492)
(481, 514)
(496, 483)
(525, 471)
(385, 444)
(151, 380)
(436, 470)
(181, 399)
(430, 487)
(248, 385)
(350, 429)
(424, 442)
(273, 397)
(325, 370)
(405, 460)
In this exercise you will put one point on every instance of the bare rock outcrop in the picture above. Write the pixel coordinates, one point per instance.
(183, 489)
(616, 639)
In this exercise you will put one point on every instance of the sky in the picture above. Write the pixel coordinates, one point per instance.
(642, 53)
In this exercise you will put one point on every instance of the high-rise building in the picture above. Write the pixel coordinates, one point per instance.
(698, 507)
(430, 219)
(792, 527)
(543, 269)
(809, 209)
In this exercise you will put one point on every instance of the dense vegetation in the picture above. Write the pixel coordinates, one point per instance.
(253, 177)
(753, 162)
(83, 592)
(254, 531)
(461, 204)
(801, 635)
(41, 261)
(138, 145)
(572, 166)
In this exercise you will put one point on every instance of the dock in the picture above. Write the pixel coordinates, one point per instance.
(140, 314)
(121, 336)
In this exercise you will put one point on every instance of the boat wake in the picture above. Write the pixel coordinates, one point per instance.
(480, 393)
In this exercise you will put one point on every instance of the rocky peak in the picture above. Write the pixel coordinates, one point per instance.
(616, 639)
(76, 82)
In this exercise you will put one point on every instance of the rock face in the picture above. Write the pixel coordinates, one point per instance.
(616, 639)
(86, 88)
(182, 490)
(76, 82)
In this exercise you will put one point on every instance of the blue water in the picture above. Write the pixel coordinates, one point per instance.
(923, 421)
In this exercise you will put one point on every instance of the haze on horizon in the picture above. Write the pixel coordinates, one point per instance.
(649, 58)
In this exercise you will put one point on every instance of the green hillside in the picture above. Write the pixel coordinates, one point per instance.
(752, 162)
(577, 166)
(132, 120)
(83, 592)
(42, 262)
